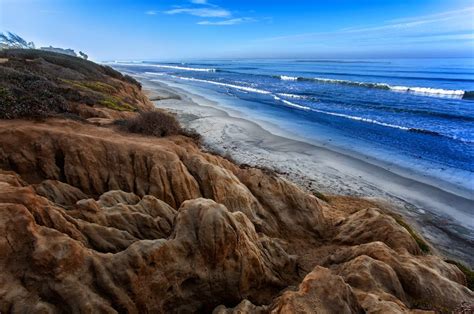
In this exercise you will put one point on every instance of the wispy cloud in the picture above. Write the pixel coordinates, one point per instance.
(412, 22)
(421, 26)
(235, 21)
(151, 12)
(201, 12)
(216, 14)
(438, 16)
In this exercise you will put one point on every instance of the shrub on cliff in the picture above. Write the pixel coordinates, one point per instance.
(156, 123)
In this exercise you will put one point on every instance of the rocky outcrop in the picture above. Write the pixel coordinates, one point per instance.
(96, 160)
(320, 291)
(95, 220)
(391, 279)
(212, 255)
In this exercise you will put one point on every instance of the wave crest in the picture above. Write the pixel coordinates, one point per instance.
(407, 89)
(244, 88)
(175, 67)
(288, 78)
(336, 114)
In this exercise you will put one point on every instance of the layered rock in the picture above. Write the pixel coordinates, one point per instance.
(320, 291)
(52, 260)
(96, 220)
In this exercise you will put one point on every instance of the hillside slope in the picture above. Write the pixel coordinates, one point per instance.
(39, 84)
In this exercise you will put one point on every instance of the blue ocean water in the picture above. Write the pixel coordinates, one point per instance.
(412, 112)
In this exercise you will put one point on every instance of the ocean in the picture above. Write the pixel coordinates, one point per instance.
(415, 114)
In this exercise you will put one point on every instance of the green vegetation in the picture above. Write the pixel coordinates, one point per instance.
(6, 98)
(467, 272)
(102, 91)
(100, 87)
(27, 95)
(96, 86)
(115, 104)
(321, 196)
(58, 65)
(424, 247)
(37, 84)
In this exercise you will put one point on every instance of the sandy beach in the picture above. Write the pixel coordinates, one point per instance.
(435, 211)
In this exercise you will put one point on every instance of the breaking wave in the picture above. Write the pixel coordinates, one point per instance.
(406, 89)
(279, 97)
(239, 87)
(292, 96)
(175, 67)
(289, 78)
(373, 121)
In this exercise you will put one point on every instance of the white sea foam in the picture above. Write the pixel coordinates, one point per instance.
(427, 90)
(406, 89)
(166, 66)
(291, 95)
(288, 78)
(291, 104)
(184, 68)
(244, 88)
(362, 119)
(366, 120)
(415, 90)
(328, 80)
(342, 115)
(155, 73)
(298, 106)
(123, 61)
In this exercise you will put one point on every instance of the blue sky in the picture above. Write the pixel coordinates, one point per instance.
(181, 29)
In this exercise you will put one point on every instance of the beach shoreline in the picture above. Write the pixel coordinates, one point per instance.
(321, 169)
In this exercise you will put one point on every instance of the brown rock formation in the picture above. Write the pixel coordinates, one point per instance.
(320, 291)
(106, 221)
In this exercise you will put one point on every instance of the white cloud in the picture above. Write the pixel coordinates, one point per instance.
(235, 21)
(454, 21)
(151, 12)
(203, 12)
(405, 23)
(439, 16)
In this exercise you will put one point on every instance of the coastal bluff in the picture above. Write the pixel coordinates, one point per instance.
(95, 218)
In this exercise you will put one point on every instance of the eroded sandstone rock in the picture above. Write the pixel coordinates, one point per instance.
(321, 291)
(213, 256)
(95, 220)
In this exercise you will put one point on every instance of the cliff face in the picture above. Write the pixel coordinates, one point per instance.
(173, 229)
(93, 219)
